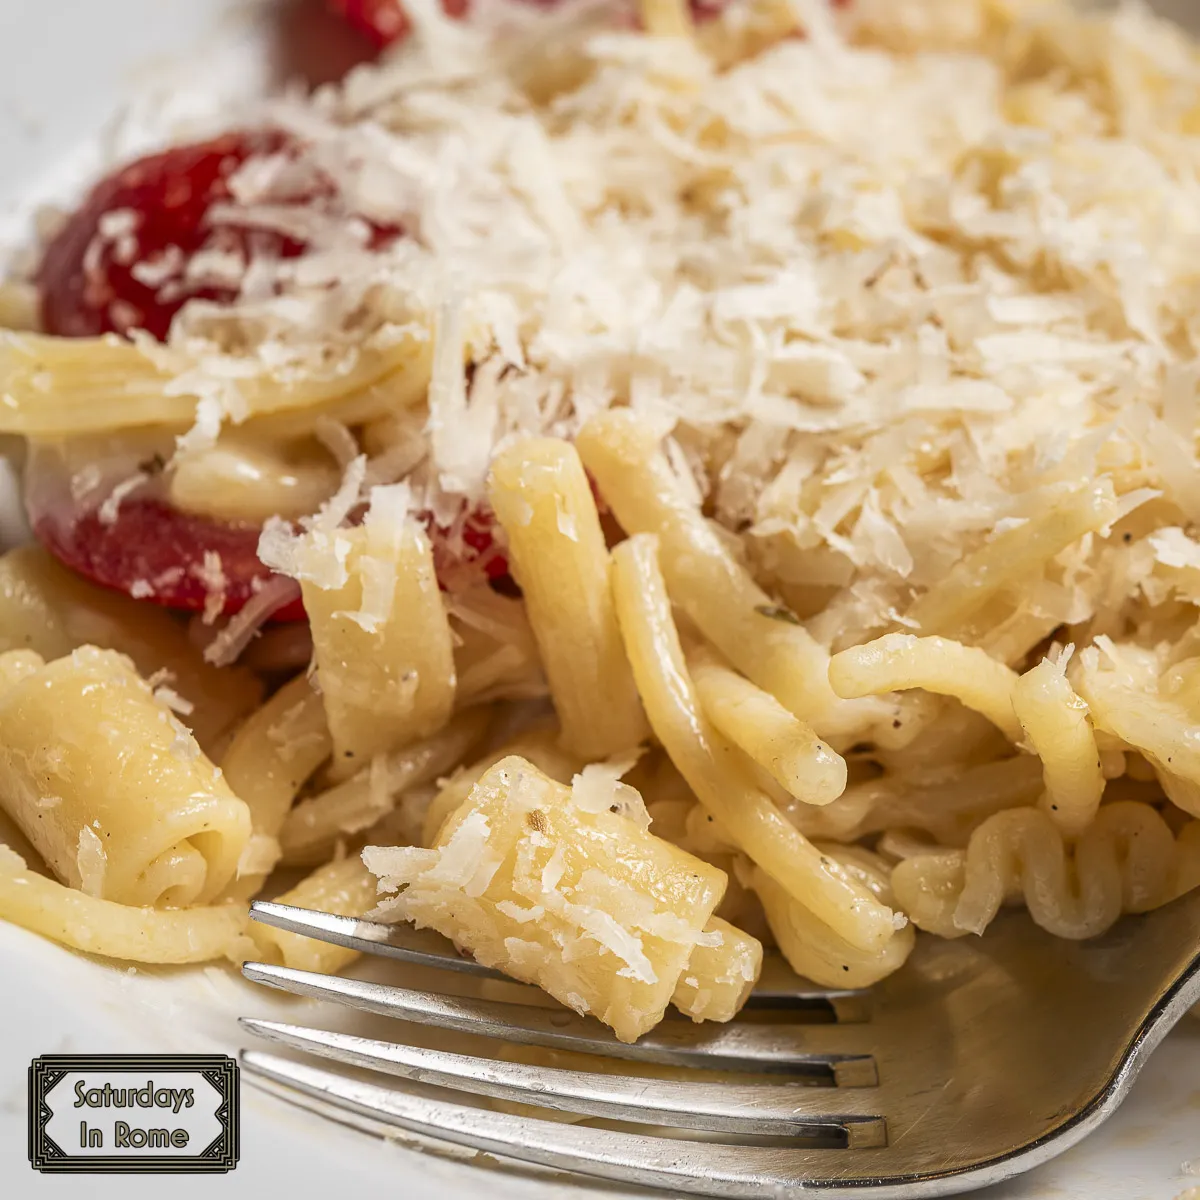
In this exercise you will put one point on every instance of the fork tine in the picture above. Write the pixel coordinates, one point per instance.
(700, 1168)
(735, 1047)
(845, 1005)
(782, 1110)
(371, 937)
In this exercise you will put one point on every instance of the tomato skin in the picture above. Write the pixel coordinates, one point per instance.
(155, 209)
(384, 22)
(154, 551)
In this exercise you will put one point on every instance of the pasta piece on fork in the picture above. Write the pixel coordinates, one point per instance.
(529, 877)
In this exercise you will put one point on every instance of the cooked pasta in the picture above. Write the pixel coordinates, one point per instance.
(558, 558)
(644, 486)
(47, 609)
(786, 748)
(381, 641)
(720, 973)
(765, 641)
(812, 948)
(59, 387)
(1055, 721)
(314, 825)
(712, 767)
(1126, 860)
(900, 661)
(267, 763)
(126, 808)
(97, 926)
(342, 886)
(529, 877)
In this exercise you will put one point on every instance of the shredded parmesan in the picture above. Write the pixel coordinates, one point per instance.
(91, 861)
(881, 284)
(228, 645)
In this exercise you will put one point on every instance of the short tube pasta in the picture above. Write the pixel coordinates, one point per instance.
(715, 770)
(898, 661)
(540, 745)
(382, 642)
(557, 555)
(110, 788)
(719, 976)
(786, 748)
(598, 912)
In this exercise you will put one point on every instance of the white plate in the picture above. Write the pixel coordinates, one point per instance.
(67, 67)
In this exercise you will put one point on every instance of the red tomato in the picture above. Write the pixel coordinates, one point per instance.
(120, 264)
(121, 261)
(156, 552)
(384, 21)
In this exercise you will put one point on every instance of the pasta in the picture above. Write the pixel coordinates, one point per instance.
(97, 926)
(342, 886)
(596, 911)
(558, 557)
(63, 388)
(712, 768)
(764, 641)
(812, 948)
(381, 642)
(48, 610)
(755, 721)
(629, 495)
(936, 664)
(315, 823)
(1127, 860)
(131, 812)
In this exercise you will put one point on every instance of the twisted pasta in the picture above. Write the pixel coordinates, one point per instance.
(1127, 860)
(1056, 725)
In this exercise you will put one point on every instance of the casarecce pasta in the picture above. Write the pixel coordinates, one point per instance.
(630, 512)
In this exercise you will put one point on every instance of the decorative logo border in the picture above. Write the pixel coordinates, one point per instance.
(220, 1156)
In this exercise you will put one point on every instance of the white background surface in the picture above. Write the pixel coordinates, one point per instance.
(66, 68)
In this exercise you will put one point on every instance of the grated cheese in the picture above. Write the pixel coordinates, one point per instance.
(882, 285)
(91, 861)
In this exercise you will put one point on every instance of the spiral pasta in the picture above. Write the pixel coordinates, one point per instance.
(1126, 860)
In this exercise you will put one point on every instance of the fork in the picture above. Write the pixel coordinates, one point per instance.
(981, 1059)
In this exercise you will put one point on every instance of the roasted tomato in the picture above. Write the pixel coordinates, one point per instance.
(384, 21)
(127, 260)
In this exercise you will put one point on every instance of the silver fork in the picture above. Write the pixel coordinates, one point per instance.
(981, 1059)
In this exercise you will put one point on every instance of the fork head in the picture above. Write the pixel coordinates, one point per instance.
(981, 1059)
